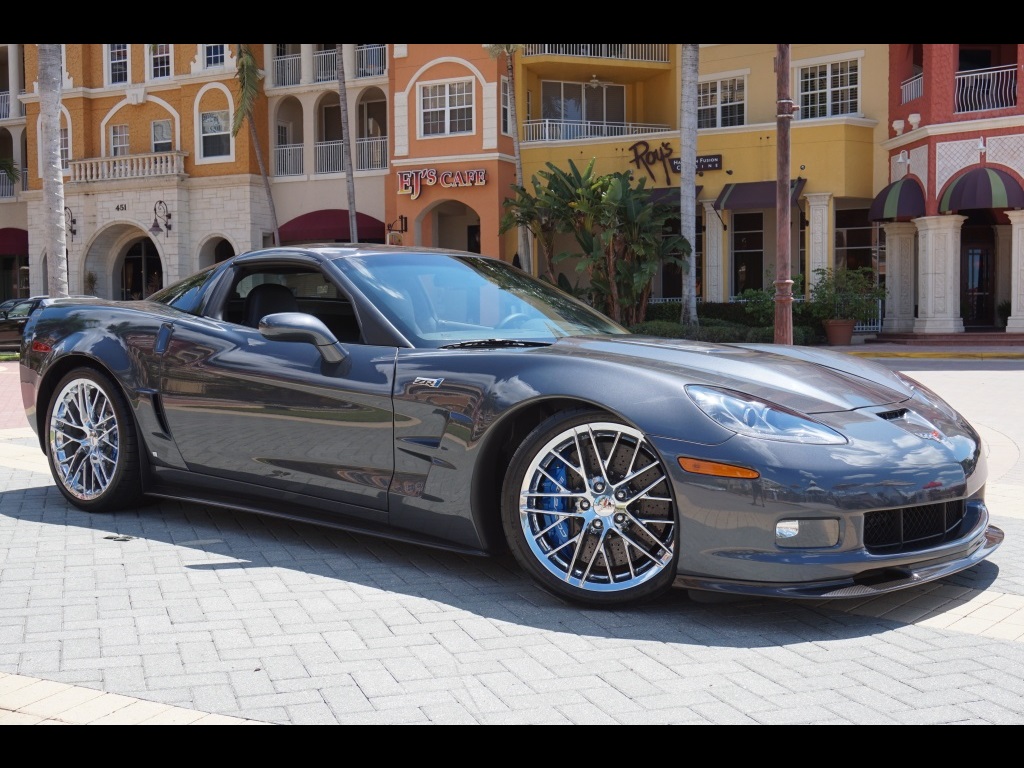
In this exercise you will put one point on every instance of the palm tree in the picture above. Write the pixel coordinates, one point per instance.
(346, 142)
(55, 236)
(9, 169)
(249, 76)
(510, 50)
(689, 72)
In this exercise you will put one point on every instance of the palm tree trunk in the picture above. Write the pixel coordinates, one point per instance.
(55, 236)
(347, 141)
(689, 65)
(254, 135)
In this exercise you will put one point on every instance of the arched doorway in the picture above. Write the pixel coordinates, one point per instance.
(141, 271)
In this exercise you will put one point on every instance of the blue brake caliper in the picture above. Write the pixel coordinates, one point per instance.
(558, 535)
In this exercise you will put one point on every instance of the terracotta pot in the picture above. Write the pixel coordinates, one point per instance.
(839, 332)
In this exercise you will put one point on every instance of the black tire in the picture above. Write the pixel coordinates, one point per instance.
(600, 530)
(91, 443)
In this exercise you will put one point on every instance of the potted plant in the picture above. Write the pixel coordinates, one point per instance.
(842, 298)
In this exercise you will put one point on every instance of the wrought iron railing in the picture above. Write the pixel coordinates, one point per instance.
(571, 130)
(655, 52)
(981, 89)
(912, 89)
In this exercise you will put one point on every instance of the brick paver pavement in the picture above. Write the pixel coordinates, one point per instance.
(181, 613)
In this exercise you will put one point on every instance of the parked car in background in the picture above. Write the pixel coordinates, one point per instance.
(8, 303)
(451, 399)
(13, 318)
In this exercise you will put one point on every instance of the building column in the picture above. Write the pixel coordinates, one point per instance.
(1015, 323)
(938, 279)
(899, 277)
(269, 69)
(819, 234)
(14, 77)
(714, 238)
(306, 63)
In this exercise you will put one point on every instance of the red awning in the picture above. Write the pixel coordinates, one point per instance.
(13, 242)
(748, 195)
(329, 226)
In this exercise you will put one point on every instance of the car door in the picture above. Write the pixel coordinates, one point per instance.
(278, 416)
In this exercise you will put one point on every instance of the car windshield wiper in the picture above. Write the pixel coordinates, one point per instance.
(496, 343)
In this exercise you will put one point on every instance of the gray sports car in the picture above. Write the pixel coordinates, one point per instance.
(451, 399)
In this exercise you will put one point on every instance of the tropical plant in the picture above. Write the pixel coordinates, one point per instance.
(509, 51)
(845, 294)
(346, 142)
(55, 236)
(249, 76)
(535, 212)
(621, 234)
(9, 169)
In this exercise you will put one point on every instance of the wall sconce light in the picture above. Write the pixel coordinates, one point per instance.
(982, 149)
(903, 158)
(69, 223)
(402, 223)
(160, 216)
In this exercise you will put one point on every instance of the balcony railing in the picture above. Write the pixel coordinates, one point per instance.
(5, 105)
(7, 187)
(372, 153)
(325, 65)
(141, 166)
(288, 160)
(330, 156)
(288, 69)
(655, 52)
(371, 60)
(912, 89)
(981, 89)
(571, 130)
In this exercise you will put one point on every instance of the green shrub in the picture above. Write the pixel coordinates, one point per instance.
(666, 310)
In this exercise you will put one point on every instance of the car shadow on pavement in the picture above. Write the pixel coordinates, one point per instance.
(234, 558)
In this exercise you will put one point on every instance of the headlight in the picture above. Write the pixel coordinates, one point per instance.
(926, 396)
(750, 416)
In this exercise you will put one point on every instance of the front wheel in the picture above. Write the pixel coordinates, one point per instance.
(588, 511)
(91, 443)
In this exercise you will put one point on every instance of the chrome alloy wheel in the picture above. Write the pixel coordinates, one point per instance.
(84, 439)
(596, 510)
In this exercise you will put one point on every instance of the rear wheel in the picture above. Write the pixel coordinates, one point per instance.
(91, 443)
(588, 511)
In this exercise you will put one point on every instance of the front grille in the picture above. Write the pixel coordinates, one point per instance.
(909, 529)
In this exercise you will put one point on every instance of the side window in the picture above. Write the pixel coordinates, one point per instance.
(162, 136)
(261, 293)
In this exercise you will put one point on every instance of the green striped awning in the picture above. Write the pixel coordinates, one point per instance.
(982, 188)
(900, 201)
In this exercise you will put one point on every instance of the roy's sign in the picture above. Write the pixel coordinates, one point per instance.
(412, 182)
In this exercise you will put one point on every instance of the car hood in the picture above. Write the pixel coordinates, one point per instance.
(806, 379)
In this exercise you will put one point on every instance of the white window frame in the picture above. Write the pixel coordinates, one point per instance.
(838, 87)
(458, 96)
(120, 140)
(116, 55)
(505, 107)
(203, 133)
(65, 149)
(711, 103)
(211, 51)
(156, 53)
(169, 141)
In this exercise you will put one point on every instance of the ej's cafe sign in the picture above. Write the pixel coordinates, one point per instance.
(412, 182)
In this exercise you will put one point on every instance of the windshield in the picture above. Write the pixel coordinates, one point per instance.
(438, 299)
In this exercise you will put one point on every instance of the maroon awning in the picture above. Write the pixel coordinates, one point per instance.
(902, 200)
(982, 188)
(748, 195)
(13, 242)
(671, 194)
(329, 226)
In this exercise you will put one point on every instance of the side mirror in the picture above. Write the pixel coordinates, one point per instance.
(302, 327)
